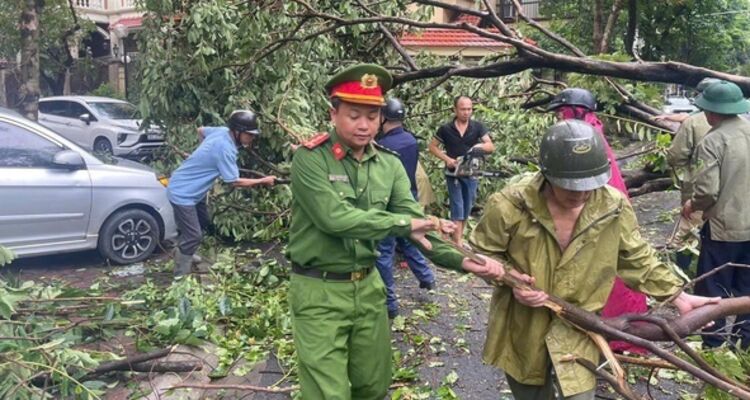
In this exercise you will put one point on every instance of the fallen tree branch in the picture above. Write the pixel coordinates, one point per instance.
(655, 185)
(127, 363)
(623, 390)
(249, 388)
(645, 362)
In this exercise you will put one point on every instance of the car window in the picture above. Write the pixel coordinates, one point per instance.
(21, 148)
(53, 107)
(75, 110)
(115, 110)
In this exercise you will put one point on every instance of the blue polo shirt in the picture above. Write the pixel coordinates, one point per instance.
(403, 142)
(215, 157)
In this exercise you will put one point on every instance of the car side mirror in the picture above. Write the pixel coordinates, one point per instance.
(68, 159)
(86, 118)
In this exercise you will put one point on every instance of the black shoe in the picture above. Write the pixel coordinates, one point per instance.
(392, 314)
(427, 285)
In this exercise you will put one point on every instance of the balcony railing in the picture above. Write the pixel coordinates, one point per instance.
(530, 8)
(105, 5)
(90, 4)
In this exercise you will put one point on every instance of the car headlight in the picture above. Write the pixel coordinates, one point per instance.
(163, 180)
(121, 137)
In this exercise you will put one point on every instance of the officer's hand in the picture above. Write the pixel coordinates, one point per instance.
(688, 302)
(419, 228)
(491, 270)
(451, 163)
(529, 297)
(269, 180)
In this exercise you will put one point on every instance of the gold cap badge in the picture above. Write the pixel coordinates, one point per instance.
(369, 81)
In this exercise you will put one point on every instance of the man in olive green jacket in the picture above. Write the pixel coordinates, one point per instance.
(721, 187)
(573, 234)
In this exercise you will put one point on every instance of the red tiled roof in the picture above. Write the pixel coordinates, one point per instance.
(434, 37)
(131, 22)
(472, 19)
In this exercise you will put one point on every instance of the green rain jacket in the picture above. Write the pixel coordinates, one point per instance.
(342, 208)
(721, 183)
(682, 150)
(517, 228)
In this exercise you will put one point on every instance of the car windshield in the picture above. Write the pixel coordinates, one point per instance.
(115, 110)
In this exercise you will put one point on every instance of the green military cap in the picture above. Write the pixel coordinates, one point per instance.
(723, 97)
(361, 84)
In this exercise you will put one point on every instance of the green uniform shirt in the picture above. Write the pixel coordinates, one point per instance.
(682, 150)
(342, 208)
(721, 183)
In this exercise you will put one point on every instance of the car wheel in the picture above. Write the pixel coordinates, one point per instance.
(129, 236)
(102, 145)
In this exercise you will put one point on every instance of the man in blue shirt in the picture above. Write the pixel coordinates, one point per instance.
(401, 141)
(215, 157)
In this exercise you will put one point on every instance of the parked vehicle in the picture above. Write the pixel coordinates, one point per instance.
(101, 124)
(56, 197)
(678, 104)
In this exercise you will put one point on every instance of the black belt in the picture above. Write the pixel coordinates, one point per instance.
(333, 276)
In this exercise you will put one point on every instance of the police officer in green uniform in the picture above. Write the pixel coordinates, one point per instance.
(347, 195)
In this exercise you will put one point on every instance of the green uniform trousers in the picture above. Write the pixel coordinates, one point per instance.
(544, 392)
(342, 337)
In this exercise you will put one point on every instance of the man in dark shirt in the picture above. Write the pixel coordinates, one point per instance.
(458, 137)
(401, 141)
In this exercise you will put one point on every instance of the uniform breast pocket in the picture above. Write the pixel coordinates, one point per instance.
(379, 199)
(345, 192)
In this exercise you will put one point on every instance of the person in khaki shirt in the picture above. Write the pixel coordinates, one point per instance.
(721, 185)
(570, 234)
(693, 128)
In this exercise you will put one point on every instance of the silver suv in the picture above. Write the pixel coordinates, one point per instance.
(101, 124)
(55, 197)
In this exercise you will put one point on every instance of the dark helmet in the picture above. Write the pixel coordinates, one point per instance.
(573, 97)
(723, 97)
(572, 156)
(705, 83)
(243, 121)
(393, 110)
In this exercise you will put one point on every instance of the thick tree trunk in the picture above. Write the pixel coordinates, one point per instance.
(632, 28)
(610, 27)
(29, 90)
(598, 22)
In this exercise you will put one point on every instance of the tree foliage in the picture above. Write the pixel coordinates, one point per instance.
(708, 33)
(59, 31)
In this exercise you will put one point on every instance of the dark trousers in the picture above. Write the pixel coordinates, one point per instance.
(191, 221)
(729, 282)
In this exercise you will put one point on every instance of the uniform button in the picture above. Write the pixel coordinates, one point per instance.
(385, 198)
(533, 220)
(361, 190)
(402, 222)
(356, 240)
(341, 193)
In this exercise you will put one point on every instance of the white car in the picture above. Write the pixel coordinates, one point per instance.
(55, 197)
(678, 104)
(100, 124)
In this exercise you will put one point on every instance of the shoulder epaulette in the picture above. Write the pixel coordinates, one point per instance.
(316, 140)
(385, 149)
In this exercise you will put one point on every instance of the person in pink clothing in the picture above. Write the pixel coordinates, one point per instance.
(577, 103)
